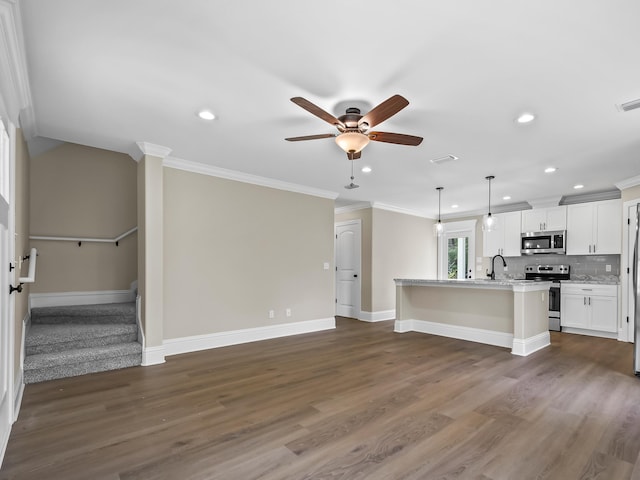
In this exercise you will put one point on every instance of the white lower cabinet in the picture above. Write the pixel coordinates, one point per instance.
(589, 307)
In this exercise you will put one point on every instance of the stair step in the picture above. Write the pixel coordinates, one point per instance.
(49, 366)
(93, 314)
(49, 338)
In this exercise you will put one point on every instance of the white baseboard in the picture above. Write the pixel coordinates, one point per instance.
(58, 299)
(377, 316)
(489, 337)
(152, 356)
(591, 333)
(532, 344)
(175, 346)
(18, 390)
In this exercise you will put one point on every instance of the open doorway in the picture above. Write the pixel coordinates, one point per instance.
(456, 250)
(627, 324)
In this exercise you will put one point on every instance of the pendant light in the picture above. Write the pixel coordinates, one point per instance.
(488, 222)
(438, 228)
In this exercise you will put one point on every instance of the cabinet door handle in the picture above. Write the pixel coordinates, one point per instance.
(594, 248)
(589, 300)
(584, 300)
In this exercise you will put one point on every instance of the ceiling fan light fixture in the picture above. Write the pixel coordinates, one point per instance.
(352, 142)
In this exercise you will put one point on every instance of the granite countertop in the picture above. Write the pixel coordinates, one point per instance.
(498, 284)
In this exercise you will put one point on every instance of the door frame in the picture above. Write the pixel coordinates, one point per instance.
(7, 307)
(626, 307)
(468, 229)
(358, 283)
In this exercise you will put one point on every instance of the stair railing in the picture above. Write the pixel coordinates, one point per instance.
(31, 274)
(79, 240)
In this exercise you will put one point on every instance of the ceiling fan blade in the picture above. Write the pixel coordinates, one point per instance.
(317, 111)
(354, 155)
(386, 109)
(398, 138)
(310, 137)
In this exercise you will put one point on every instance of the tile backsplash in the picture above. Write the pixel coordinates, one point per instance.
(582, 266)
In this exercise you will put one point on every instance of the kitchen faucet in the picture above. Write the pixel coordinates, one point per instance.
(493, 268)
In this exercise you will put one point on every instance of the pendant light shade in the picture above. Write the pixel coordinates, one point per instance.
(488, 222)
(438, 228)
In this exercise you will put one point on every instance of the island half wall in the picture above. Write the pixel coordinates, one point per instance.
(510, 314)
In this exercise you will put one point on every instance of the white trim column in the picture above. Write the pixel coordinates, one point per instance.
(150, 250)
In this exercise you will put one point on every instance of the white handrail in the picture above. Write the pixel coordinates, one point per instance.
(31, 276)
(85, 239)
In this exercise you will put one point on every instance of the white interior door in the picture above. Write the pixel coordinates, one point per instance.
(347, 252)
(6, 330)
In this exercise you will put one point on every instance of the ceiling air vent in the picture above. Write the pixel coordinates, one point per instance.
(632, 105)
(447, 158)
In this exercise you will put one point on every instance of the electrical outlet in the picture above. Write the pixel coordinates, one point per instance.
(272, 314)
(607, 268)
(287, 312)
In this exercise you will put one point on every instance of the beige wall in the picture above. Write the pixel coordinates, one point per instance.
(466, 307)
(151, 267)
(632, 193)
(233, 251)
(365, 216)
(403, 246)
(22, 240)
(79, 191)
(394, 245)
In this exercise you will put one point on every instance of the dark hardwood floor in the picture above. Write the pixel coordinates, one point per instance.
(360, 402)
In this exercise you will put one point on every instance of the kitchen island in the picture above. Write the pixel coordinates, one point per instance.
(505, 313)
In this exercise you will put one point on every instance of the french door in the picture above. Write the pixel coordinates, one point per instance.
(456, 250)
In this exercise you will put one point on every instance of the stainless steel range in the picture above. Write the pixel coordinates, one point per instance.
(553, 273)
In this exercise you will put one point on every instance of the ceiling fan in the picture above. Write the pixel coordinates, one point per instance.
(353, 127)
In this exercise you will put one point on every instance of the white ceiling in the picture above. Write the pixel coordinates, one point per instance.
(111, 73)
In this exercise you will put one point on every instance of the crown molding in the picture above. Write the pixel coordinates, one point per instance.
(393, 208)
(628, 183)
(513, 207)
(354, 207)
(202, 169)
(591, 197)
(151, 149)
(15, 91)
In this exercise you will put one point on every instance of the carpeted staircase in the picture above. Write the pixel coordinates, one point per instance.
(76, 340)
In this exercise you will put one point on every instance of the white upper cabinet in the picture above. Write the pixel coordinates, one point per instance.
(544, 219)
(505, 238)
(594, 228)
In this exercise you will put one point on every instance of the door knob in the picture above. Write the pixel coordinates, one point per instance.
(355, 275)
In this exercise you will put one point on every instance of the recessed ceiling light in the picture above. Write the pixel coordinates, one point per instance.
(506, 197)
(454, 206)
(550, 169)
(526, 118)
(206, 115)
(366, 169)
(578, 186)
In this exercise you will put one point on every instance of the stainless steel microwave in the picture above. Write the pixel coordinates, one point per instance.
(543, 242)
